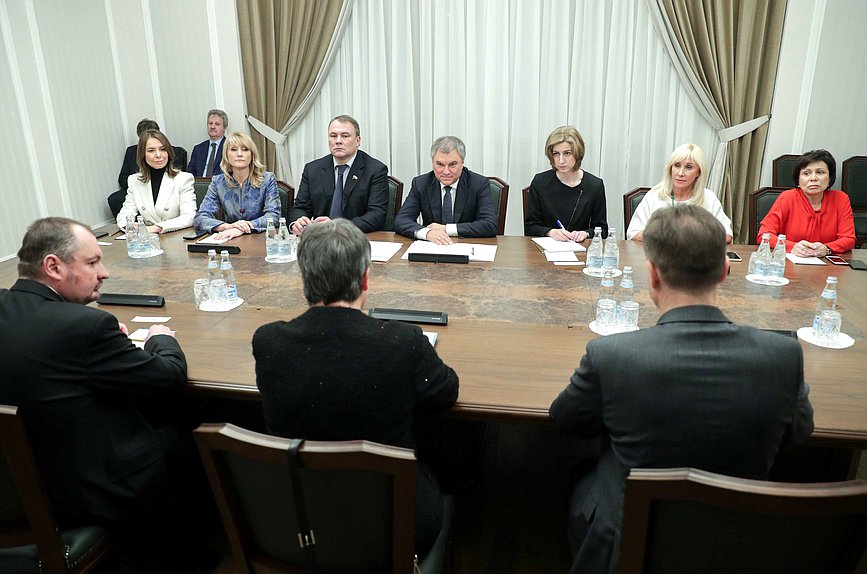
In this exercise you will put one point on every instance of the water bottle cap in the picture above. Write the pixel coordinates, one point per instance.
(212, 251)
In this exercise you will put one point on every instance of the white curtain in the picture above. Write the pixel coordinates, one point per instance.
(501, 75)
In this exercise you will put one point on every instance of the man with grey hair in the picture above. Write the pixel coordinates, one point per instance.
(452, 201)
(206, 156)
(695, 390)
(346, 183)
(335, 373)
(77, 380)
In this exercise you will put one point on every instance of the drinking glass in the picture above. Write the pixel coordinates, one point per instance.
(605, 312)
(627, 316)
(154, 241)
(218, 292)
(829, 325)
(200, 291)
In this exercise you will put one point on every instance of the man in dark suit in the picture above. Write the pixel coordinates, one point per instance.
(76, 378)
(694, 390)
(346, 183)
(130, 166)
(335, 373)
(452, 201)
(206, 157)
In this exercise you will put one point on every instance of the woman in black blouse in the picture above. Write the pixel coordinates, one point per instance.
(566, 202)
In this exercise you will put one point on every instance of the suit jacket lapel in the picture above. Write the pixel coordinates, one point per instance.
(352, 176)
(167, 188)
(436, 201)
(461, 195)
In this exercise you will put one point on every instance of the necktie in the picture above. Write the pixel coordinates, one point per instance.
(209, 170)
(447, 206)
(337, 199)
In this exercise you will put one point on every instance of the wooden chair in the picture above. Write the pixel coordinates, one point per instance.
(287, 198)
(500, 195)
(359, 498)
(395, 197)
(29, 537)
(855, 184)
(758, 205)
(782, 171)
(687, 520)
(631, 199)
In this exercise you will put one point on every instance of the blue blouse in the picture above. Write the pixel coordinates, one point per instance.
(254, 204)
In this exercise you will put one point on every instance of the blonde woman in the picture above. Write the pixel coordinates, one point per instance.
(245, 195)
(683, 182)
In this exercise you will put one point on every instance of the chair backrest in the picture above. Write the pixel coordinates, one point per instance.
(287, 198)
(200, 186)
(25, 512)
(855, 182)
(782, 171)
(759, 204)
(525, 194)
(359, 496)
(687, 520)
(500, 195)
(631, 199)
(395, 197)
(180, 158)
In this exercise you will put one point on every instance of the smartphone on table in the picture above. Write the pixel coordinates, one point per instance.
(733, 256)
(836, 260)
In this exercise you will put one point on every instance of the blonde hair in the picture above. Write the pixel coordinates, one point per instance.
(569, 135)
(691, 152)
(257, 168)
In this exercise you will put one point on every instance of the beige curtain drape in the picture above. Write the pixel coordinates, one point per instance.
(283, 46)
(732, 48)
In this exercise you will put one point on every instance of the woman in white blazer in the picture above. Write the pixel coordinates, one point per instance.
(160, 193)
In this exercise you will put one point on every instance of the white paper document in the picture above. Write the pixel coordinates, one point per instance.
(475, 251)
(211, 240)
(383, 250)
(804, 260)
(563, 258)
(103, 243)
(432, 337)
(141, 319)
(139, 334)
(551, 244)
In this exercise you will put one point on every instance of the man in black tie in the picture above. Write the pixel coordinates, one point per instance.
(206, 157)
(346, 183)
(452, 201)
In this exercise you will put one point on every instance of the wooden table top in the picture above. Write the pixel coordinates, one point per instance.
(517, 326)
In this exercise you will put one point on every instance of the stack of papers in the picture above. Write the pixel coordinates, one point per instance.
(804, 260)
(211, 240)
(383, 250)
(475, 251)
(559, 252)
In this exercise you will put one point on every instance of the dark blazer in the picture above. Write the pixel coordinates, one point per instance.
(199, 158)
(693, 391)
(365, 191)
(75, 376)
(130, 166)
(334, 373)
(474, 208)
(581, 208)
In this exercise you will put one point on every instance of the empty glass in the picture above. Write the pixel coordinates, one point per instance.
(218, 292)
(627, 316)
(200, 291)
(154, 241)
(605, 313)
(829, 325)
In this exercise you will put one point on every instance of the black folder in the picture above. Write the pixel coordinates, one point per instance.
(204, 248)
(132, 299)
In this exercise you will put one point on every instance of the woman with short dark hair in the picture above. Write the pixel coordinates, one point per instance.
(816, 219)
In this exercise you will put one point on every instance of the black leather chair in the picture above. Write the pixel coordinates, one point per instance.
(30, 540)
(631, 199)
(782, 171)
(759, 204)
(687, 520)
(500, 195)
(287, 198)
(395, 198)
(358, 503)
(115, 201)
(855, 184)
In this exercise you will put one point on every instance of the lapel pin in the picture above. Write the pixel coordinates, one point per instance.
(354, 177)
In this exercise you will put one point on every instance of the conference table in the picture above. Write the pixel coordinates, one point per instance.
(517, 326)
